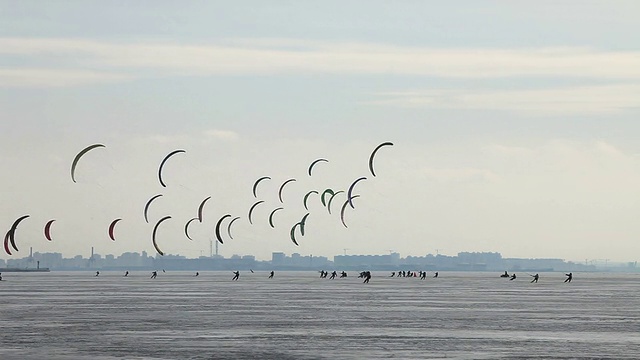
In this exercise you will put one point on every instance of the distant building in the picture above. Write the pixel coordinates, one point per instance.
(278, 258)
(367, 261)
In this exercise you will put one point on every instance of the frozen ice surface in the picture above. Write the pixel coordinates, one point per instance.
(297, 315)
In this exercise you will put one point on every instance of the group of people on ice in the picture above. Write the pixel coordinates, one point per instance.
(364, 274)
(535, 277)
(421, 274)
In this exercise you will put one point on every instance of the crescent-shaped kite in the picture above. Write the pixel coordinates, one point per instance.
(255, 185)
(251, 210)
(282, 187)
(302, 223)
(201, 207)
(306, 197)
(314, 163)
(146, 207)
(111, 227)
(47, 229)
(324, 193)
(6, 243)
(155, 230)
(373, 154)
(331, 199)
(218, 236)
(271, 216)
(12, 232)
(78, 156)
(186, 227)
(344, 206)
(229, 226)
(293, 233)
(350, 192)
(164, 161)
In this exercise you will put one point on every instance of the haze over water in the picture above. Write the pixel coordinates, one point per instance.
(297, 315)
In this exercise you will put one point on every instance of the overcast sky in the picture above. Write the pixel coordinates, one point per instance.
(515, 128)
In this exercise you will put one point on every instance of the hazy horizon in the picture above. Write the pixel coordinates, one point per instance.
(514, 127)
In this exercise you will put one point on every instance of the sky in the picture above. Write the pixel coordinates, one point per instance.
(514, 128)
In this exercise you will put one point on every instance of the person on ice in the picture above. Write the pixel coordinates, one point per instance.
(435, 275)
(126, 273)
(569, 277)
(535, 278)
(271, 274)
(333, 275)
(367, 277)
(424, 275)
(513, 277)
(154, 275)
(236, 275)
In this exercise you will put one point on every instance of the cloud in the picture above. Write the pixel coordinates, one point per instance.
(286, 56)
(509, 150)
(47, 78)
(568, 100)
(222, 134)
(608, 149)
(164, 139)
(459, 174)
(582, 164)
(557, 147)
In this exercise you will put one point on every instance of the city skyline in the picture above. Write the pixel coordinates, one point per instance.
(214, 250)
(463, 261)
